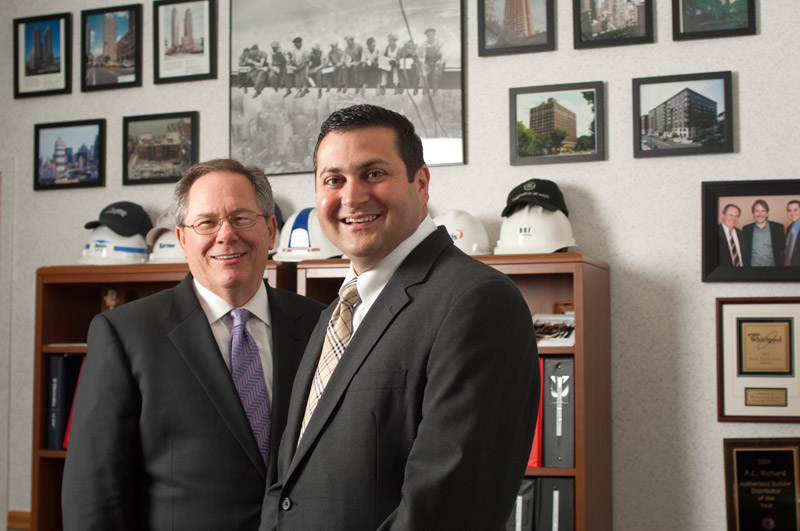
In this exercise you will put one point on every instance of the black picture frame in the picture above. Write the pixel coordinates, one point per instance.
(43, 55)
(578, 107)
(601, 26)
(275, 128)
(69, 155)
(158, 148)
(192, 57)
(662, 127)
(762, 334)
(498, 36)
(691, 20)
(106, 65)
(716, 196)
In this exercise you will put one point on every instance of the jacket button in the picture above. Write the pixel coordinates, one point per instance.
(286, 504)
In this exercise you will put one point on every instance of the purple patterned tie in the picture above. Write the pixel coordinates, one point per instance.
(248, 377)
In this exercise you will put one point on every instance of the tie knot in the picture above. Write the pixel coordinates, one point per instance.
(350, 294)
(240, 316)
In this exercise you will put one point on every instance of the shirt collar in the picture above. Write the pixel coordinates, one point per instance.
(215, 307)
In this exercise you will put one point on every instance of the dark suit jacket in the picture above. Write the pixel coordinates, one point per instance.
(795, 258)
(725, 250)
(428, 420)
(159, 438)
(778, 242)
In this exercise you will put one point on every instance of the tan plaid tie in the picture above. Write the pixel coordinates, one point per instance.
(736, 260)
(337, 336)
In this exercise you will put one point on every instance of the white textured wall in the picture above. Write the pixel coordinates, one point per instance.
(642, 216)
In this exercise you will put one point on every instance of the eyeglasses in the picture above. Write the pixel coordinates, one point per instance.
(211, 224)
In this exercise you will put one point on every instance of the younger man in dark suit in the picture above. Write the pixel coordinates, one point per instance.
(415, 407)
(160, 439)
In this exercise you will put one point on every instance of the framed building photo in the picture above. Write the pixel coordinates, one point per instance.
(515, 26)
(111, 48)
(750, 231)
(762, 483)
(42, 57)
(597, 24)
(757, 345)
(689, 114)
(293, 63)
(706, 19)
(184, 40)
(69, 154)
(158, 148)
(557, 123)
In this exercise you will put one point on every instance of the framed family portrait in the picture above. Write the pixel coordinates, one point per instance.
(706, 19)
(757, 345)
(762, 483)
(293, 63)
(601, 24)
(158, 148)
(69, 155)
(750, 230)
(689, 114)
(184, 40)
(111, 48)
(521, 26)
(557, 123)
(42, 57)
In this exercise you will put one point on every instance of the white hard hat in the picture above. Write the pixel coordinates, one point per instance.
(468, 233)
(532, 229)
(302, 239)
(106, 247)
(167, 249)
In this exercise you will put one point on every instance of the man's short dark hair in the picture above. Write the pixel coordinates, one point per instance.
(261, 186)
(362, 116)
(792, 202)
(759, 202)
(729, 205)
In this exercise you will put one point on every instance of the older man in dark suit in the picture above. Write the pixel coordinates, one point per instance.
(184, 394)
(415, 404)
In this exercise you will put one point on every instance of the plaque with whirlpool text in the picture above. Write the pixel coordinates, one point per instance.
(761, 477)
(765, 347)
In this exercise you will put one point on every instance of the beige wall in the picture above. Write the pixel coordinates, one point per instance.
(640, 215)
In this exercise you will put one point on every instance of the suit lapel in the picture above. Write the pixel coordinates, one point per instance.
(193, 339)
(393, 299)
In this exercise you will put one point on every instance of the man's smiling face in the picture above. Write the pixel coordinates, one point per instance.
(231, 262)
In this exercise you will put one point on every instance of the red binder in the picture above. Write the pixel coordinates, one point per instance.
(535, 460)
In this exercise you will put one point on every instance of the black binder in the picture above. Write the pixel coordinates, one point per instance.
(555, 504)
(63, 379)
(521, 518)
(558, 396)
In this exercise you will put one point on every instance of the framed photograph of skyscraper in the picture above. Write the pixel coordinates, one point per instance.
(69, 154)
(689, 114)
(111, 48)
(184, 40)
(706, 19)
(42, 55)
(557, 123)
(598, 24)
(515, 26)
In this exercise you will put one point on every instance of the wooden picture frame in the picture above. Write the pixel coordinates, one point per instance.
(111, 48)
(531, 30)
(720, 202)
(686, 114)
(557, 123)
(757, 359)
(158, 148)
(276, 111)
(43, 55)
(184, 40)
(708, 19)
(600, 26)
(69, 155)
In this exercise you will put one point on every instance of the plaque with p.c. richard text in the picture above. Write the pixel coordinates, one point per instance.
(761, 477)
(765, 347)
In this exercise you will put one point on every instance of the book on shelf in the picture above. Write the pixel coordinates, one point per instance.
(535, 459)
(521, 518)
(63, 378)
(72, 407)
(558, 445)
(555, 504)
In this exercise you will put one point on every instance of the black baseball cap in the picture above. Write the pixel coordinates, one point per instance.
(538, 192)
(124, 218)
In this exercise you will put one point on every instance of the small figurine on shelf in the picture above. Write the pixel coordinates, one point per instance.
(111, 298)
